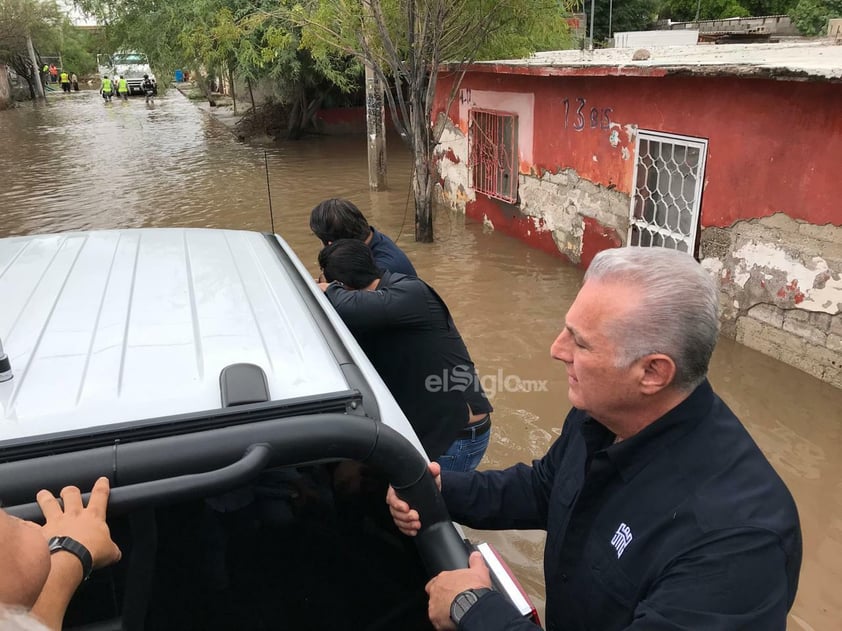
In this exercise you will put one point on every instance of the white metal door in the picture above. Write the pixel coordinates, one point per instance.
(667, 193)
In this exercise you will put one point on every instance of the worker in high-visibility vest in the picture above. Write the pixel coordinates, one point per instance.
(64, 79)
(123, 89)
(107, 89)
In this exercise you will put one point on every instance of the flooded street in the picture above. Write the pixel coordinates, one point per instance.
(79, 164)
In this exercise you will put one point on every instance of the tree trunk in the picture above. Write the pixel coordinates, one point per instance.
(294, 130)
(251, 95)
(233, 92)
(422, 155)
(423, 201)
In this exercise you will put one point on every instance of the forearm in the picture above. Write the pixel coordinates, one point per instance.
(494, 500)
(65, 577)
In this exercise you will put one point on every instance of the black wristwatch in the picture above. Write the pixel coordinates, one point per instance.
(75, 548)
(464, 601)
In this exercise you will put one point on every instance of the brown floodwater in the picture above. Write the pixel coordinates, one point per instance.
(79, 164)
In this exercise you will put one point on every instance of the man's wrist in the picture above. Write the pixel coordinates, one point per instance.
(72, 547)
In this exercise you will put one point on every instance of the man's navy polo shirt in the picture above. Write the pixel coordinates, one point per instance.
(388, 256)
(685, 525)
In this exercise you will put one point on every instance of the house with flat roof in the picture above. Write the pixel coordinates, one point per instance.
(732, 153)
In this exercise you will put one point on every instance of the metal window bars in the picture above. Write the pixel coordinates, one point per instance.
(493, 142)
(666, 202)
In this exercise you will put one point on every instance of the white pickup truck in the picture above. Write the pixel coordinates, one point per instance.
(206, 374)
(131, 65)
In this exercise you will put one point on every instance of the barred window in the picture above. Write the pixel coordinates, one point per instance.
(493, 161)
(668, 176)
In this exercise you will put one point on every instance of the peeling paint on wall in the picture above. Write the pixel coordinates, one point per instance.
(812, 287)
(781, 289)
(451, 157)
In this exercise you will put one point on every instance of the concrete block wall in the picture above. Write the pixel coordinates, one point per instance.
(562, 202)
(781, 283)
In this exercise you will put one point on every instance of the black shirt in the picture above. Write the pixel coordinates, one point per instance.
(684, 525)
(407, 332)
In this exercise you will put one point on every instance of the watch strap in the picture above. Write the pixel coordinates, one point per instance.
(464, 601)
(68, 544)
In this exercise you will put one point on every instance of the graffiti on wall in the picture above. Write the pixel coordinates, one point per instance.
(578, 116)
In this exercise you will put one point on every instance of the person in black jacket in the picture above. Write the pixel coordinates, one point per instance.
(148, 88)
(660, 510)
(406, 330)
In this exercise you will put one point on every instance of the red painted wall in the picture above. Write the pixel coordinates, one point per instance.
(774, 146)
(347, 120)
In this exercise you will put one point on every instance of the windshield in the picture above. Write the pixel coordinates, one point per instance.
(129, 58)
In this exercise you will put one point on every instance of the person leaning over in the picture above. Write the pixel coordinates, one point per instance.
(406, 330)
(336, 218)
(660, 510)
(41, 566)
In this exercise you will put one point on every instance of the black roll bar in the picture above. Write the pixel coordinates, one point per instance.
(172, 469)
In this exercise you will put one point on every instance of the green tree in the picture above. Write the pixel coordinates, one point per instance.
(811, 16)
(21, 19)
(405, 41)
(689, 10)
(769, 7)
(247, 39)
(76, 49)
(621, 15)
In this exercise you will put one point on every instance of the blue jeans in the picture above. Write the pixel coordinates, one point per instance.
(467, 451)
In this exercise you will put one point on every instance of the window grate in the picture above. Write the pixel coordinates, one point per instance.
(493, 141)
(666, 204)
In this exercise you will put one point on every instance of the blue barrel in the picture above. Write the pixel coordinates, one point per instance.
(179, 75)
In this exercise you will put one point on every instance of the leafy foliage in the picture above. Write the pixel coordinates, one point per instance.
(685, 10)
(623, 15)
(50, 30)
(811, 16)
(404, 42)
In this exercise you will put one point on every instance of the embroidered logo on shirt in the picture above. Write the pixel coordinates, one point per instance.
(621, 539)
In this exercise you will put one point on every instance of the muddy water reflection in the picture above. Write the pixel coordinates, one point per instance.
(78, 164)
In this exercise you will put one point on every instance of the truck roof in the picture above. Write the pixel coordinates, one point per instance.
(115, 326)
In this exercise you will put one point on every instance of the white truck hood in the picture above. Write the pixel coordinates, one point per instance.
(114, 326)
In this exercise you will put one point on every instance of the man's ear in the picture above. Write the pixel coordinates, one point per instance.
(658, 373)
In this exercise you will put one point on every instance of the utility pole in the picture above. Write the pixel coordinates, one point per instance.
(375, 121)
(590, 44)
(375, 124)
(40, 91)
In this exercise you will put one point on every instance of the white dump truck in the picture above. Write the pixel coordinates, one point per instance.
(131, 65)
